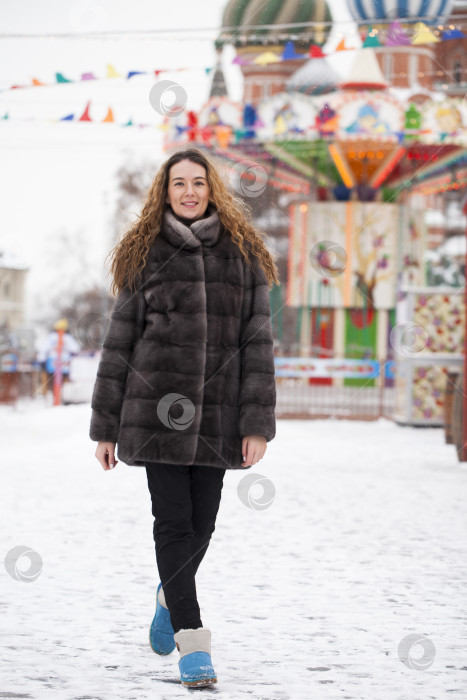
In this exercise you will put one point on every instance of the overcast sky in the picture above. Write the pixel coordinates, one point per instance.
(58, 178)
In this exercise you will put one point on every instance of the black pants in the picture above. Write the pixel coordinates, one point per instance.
(185, 502)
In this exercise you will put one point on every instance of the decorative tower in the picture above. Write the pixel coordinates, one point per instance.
(256, 27)
(404, 62)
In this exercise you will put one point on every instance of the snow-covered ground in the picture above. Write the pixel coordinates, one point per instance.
(363, 545)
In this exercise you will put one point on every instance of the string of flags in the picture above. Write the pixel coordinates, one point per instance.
(61, 79)
(85, 116)
(394, 35)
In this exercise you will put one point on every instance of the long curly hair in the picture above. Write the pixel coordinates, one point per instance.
(129, 255)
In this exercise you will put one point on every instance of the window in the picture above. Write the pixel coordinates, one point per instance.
(388, 66)
(413, 70)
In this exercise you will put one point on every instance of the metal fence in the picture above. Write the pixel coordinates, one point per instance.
(296, 398)
(334, 388)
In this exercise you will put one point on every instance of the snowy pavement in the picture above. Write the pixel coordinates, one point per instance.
(315, 596)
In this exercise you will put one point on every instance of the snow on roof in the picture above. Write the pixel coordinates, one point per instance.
(8, 260)
(365, 71)
(315, 77)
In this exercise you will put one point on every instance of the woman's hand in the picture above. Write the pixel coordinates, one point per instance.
(253, 449)
(105, 453)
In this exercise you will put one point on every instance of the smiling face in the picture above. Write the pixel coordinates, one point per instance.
(188, 189)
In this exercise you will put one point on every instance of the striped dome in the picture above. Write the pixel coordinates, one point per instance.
(241, 15)
(426, 10)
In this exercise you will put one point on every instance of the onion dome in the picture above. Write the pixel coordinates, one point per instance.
(247, 23)
(316, 77)
(424, 10)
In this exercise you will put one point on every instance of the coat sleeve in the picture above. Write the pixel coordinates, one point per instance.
(109, 388)
(257, 396)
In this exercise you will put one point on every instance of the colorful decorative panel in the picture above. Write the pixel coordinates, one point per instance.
(442, 317)
(360, 339)
(346, 253)
(434, 346)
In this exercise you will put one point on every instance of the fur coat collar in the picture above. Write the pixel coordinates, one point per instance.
(204, 231)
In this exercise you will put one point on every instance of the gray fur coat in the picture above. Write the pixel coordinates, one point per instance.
(201, 375)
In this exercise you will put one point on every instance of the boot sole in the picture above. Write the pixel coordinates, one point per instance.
(200, 682)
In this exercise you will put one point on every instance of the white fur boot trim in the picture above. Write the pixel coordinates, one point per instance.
(189, 640)
(161, 598)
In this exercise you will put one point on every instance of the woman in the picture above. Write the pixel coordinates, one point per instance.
(185, 384)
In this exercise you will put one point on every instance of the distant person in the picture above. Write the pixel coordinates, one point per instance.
(185, 384)
(47, 357)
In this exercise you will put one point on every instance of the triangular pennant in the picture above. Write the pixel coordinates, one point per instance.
(423, 35)
(135, 72)
(453, 34)
(88, 76)
(341, 46)
(129, 123)
(85, 116)
(111, 72)
(157, 73)
(208, 70)
(240, 61)
(109, 117)
(17, 87)
(371, 40)
(397, 36)
(289, 53)
(5, 116)
(315, 51)
(68, 118)
(266, 57)
(35, 81)
(60, 78)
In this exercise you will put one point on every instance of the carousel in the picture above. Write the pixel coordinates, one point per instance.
(353, 152)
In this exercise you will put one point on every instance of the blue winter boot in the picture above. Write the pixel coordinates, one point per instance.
(161, 633)
(195, 657)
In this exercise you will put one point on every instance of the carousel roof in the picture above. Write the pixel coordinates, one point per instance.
(241, 18)
(365, 72)
(316, 77)
(428, 10)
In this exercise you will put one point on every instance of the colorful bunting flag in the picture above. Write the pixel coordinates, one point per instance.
(61, 78)
(397, 36)
(289, 53)
(423, 35)
(88, 76)
(266, 57)
(453, 34)
(240, 61)
(111, 72)
(109, 117)
(341, 46)
(371, 40)
(85, 116)
(316, 51)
